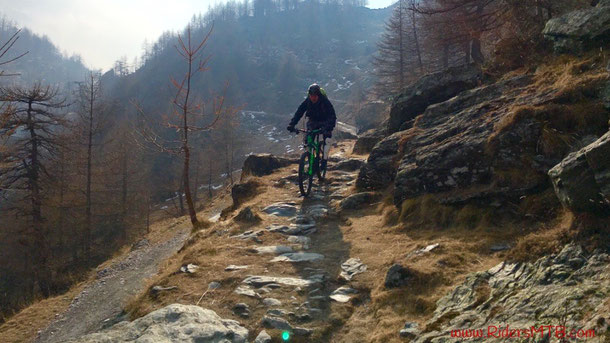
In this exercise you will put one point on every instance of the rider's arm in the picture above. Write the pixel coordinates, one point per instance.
(299, 113)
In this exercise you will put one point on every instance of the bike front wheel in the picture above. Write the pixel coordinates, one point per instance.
(305, 173)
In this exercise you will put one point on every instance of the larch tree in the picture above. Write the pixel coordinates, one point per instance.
(34, 117)
(188, 115)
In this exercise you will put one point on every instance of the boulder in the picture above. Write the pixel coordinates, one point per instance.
(582, 30)
(582, 179)
(380, 168)
(263, 164)
(263, 337)
(431, 89)
(247, 216)
(242, 192)
(358, 201)
(397, 276)
(173, 323)
(345, 131)
(366, 141)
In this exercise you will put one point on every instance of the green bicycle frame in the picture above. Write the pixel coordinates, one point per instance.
(314, 149)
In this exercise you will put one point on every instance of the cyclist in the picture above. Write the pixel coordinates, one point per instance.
(320, 112)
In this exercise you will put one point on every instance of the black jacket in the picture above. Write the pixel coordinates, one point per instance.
(321, 114)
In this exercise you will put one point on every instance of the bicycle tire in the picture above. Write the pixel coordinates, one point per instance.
(321, 172)
(305, 178)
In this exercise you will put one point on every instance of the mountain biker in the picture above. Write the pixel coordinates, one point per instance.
(320, 112)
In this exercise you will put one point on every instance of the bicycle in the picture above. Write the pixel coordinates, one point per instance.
(309, 163)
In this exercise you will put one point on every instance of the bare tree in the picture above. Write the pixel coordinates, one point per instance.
(91, 123)
(188, 115)
(32, 124)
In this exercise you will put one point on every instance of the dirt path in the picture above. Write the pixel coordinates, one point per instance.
(100, 304)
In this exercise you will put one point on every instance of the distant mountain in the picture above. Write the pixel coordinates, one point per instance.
(268, 60)
(43, 61)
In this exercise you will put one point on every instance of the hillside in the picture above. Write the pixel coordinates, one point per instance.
(479, 210)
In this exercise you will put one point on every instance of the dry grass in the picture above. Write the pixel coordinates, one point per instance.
(24, 326)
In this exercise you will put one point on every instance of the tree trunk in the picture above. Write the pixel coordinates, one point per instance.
(416, 39)
(88, 220)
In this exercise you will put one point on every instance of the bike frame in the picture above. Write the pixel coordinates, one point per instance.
(313, 144)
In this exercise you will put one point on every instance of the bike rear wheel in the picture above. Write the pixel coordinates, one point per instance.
(305, 174)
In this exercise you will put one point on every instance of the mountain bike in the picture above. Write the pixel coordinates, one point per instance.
(312, 160)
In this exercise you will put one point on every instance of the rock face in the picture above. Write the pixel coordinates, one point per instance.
(397, 276)
(431, 89)
(380, 168)
(582, 179)
(263, 164)
(579, 31)
(370, 114)
(568, 288)
(367, 140)
(247, 216)
(174, 323)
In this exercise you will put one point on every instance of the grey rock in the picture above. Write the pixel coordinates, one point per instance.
(276, 312)
(302, 332)
(249, 235)
(242, 310)
(579, 31)
(159, 289)
(427, 249)
(397, 276)
(303, 219)
(358, 201)
(410, 330)
(317, 211)
(247, 291)
(605, 95)
(368, 140)
(345, 131)
(263, 164)
(233, 267)
(351, 268)
(293, 229)
(247, 216)
(380, 168)
(304, 241)
(263, 337)
(342, 294)
(276, 323)
(189, 268)
(173, 323)
(570, 285)
(243, 192)
(298, 257)
(499, 247)
(272, 302)
(281, 209)
(431, 89)
(582, 179)
(272, 249)
(370, 115)
(351, 164)
(214, 285)
(260, 281)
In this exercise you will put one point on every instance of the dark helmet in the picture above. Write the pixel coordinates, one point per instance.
(314, 89)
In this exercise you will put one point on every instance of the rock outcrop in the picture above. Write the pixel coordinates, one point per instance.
(431, 89)
(564, 289)
(263, 164)
(174, 323)
(582, 179)
(345, 131)
(579, 31)
(366, 141)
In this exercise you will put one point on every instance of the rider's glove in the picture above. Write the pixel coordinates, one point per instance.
(328, 134)
(290, 128)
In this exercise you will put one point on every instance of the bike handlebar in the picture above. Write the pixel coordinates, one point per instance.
(308, 131)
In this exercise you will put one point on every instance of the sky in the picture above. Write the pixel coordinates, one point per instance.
(102, 31)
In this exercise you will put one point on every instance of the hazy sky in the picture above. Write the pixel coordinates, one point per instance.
(103, 31)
